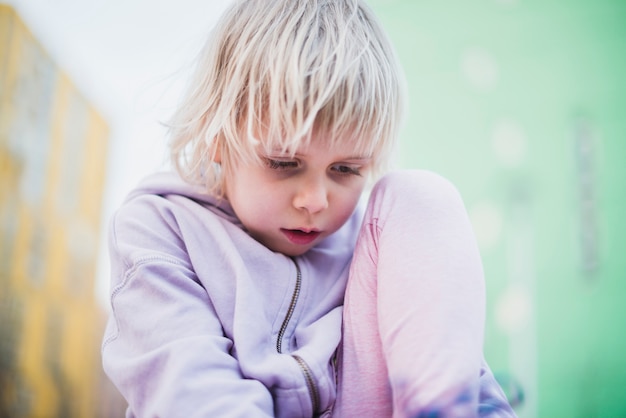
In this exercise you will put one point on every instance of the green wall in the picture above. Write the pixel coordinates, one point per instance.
(522, 104)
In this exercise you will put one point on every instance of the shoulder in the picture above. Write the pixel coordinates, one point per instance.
(156, 221)
(422, 180)
(419, 188)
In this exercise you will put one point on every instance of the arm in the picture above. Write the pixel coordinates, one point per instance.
(164, 346)
(414, 308)
(432, 303)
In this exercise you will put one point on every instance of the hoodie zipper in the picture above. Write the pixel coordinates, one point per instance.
(310, 383)
(306, 371)
(292, 308)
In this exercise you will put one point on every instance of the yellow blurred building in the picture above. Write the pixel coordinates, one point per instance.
(53, 147)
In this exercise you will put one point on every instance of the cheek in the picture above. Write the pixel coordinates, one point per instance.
(256, 200)
(346, 203)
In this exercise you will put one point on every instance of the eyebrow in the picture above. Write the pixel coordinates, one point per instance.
(356, 158)
(279, 152)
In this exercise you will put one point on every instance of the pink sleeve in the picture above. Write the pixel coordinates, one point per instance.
(415, 306)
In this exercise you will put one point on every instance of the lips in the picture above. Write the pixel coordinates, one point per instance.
(300, 237)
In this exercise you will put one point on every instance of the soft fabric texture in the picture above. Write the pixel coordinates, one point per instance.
(415, 308)
(207, 322)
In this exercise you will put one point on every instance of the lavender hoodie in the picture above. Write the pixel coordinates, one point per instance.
(208, 322)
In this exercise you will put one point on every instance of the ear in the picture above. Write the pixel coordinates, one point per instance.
(215, 151)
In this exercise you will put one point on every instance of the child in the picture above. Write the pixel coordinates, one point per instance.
(228, 279)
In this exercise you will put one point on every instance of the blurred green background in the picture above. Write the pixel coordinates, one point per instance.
(522, 104)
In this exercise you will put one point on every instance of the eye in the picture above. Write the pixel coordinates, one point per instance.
(346, 170)
(281, 164)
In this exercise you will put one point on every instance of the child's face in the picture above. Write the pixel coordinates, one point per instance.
(291, 204)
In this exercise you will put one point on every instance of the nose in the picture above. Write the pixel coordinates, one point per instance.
(311, 196)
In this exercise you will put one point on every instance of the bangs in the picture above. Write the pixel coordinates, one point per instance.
(334, 83)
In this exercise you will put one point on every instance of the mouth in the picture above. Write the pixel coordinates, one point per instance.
(300, 236)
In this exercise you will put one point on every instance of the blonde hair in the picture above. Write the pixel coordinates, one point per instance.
(282, 69)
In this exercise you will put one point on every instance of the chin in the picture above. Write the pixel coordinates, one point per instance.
(288, 249)
(294, 252)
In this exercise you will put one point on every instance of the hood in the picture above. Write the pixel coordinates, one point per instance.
(171, 184)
